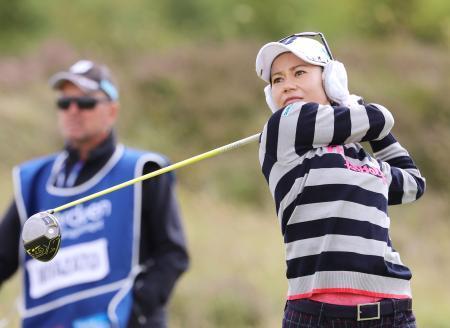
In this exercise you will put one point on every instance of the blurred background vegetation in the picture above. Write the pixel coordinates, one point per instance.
(186, 73)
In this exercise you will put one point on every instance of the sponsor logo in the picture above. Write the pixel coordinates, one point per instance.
(358, 168)
(366, 169)
(287, 110)
(84, 218)
(82, 263)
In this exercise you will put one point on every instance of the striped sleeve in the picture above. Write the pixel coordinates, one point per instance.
(343, 125)
(300, 127)
(268, 144)
(406, 182)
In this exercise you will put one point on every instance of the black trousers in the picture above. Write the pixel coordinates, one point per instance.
(308, 314)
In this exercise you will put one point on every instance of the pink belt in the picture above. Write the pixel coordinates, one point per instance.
(343, 298)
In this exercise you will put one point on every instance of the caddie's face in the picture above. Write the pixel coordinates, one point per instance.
(295, 80)
(84, 118)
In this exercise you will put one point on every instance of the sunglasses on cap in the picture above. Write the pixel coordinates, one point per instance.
(292, 37)
(83, 103)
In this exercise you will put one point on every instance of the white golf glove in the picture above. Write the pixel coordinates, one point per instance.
(336, 84)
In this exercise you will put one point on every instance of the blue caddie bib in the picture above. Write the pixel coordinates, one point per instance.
(88, 283)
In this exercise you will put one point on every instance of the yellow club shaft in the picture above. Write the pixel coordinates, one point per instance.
(166, 169)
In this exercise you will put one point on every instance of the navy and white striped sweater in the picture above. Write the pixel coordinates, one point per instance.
(332, 196)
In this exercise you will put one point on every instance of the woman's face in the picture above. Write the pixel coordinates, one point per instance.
(295, 80)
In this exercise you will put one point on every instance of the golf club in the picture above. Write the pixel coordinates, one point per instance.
(41, 234)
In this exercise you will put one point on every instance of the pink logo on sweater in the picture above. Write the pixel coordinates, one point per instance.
(358, 168)
(366, 169)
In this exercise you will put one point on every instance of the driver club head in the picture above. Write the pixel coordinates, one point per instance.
(41, 236)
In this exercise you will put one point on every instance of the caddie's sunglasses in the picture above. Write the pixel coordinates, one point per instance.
(83, 103)
(292, 37)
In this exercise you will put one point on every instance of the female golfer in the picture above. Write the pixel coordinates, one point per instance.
(331, 195)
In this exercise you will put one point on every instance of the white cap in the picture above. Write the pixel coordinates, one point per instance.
(307, 49)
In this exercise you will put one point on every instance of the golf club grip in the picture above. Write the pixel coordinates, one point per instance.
(163, 170)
